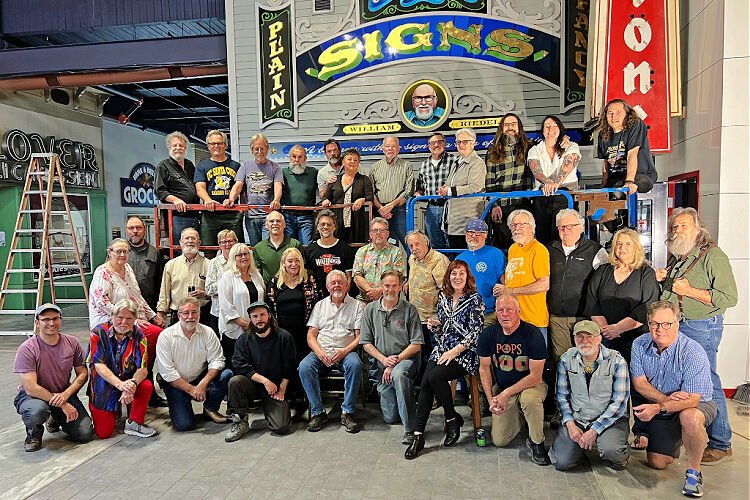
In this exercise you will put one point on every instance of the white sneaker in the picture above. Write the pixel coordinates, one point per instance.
(140, 430)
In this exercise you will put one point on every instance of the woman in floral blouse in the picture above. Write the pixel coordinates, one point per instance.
(460, 317)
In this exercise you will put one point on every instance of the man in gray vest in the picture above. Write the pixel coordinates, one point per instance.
(593, 389)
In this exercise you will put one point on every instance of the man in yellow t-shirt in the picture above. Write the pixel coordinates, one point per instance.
(527, 272)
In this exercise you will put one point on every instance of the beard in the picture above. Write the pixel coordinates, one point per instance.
(519, 238)
(680, 245)
(424, 112)
(190, 251)
(136, 241)
(510, 140)
(334, 160)
(260, 328)
(178, 157)
(298, 168)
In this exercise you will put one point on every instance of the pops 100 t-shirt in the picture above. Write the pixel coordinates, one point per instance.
(511, 353)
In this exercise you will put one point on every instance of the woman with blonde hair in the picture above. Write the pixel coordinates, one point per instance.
(239, 286)
(619, 292)
(292, 294)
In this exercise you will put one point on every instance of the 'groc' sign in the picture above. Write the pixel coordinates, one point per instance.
(637, 64)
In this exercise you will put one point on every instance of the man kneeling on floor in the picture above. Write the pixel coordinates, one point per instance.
(672, 371)
(333, 336)
(264, 362)
(43, 364)
(516, 350)
(191, 367)
(593, 389)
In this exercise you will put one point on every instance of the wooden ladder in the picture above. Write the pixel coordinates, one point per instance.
(43, 185)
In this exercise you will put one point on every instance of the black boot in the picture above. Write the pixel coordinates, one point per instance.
(453, 430)
(415, 447)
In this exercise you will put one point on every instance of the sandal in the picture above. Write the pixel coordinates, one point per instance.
(640, 442)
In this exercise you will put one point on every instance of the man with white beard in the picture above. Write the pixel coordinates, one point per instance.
(425, 111)
(300, 189)
(590, 415)
(174, 184)
(184, 276)
(699, 279)
(333, 337)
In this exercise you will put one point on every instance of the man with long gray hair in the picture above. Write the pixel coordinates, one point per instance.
(699, 279)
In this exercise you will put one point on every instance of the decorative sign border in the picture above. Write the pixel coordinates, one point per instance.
(574, 48)
(373, 10)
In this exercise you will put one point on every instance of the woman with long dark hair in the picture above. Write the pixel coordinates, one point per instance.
(554, 167)
(456, 329)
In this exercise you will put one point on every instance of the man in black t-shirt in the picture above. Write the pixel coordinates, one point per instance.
(214, 179)
(624, 147)
(174, 184)
(328, 253)
(515, 351)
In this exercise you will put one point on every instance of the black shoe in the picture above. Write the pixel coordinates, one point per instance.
(317, 422)
(408, 438)
(538, 453)
(33, 440)
(52, 425)
(556, 421)
(415, 447)
(157, 401)
(453, 430)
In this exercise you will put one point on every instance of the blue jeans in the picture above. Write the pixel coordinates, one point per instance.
(707, 332)
(34, 412)
(300, 227)
(397, 398)
(256, 230)
(433, 219)
(180, 223)
(309, 371)
(181, 403)
(397, 225)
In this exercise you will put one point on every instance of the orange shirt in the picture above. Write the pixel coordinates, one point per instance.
(526, 265)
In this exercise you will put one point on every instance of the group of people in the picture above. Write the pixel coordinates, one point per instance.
(259, 323)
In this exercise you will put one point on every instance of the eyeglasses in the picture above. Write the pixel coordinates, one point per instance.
(215, 144)
(118, 252)
(588, 336)
(518, 225)
(421, 98)
(474, 234)
(242, 255)
(664, 325)
(436, 143)
(463, 142)
(50, 320)
(568, 227)
(378, 230)
(227, 242)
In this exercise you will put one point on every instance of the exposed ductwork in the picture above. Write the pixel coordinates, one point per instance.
(110, 77)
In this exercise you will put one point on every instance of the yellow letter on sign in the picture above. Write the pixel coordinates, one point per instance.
(421, 38)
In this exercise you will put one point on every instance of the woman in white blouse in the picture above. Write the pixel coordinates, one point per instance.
(114, 281)
(554, 163)
(227, 239)
(239, 286)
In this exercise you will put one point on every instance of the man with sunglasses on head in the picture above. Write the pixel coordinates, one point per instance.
(593, 389)
(672, 373)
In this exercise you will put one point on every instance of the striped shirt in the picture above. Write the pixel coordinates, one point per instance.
(506, 175)
(683, 366)
(431, 176)
(618, 405)
(392, 180)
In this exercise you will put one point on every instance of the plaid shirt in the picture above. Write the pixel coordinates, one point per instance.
(431, 177)
(618, 405)
(683, 366)
(506, 175)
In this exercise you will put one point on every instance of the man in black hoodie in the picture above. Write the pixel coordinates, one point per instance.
(572, 261)
(264, 362)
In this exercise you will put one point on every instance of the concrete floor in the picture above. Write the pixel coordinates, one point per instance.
(328, 464)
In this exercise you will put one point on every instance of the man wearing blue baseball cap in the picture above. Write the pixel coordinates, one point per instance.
(487, 264)
(46, 394)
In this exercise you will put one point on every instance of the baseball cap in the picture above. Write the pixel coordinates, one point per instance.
(477, 225)
(48, 306)
(258, 303)
(587, 326)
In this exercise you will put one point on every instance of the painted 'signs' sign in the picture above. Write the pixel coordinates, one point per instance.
(276, 65)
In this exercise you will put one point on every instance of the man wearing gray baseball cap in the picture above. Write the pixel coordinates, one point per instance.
(46, 394)
(593, 389)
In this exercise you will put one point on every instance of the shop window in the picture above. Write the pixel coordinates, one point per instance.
(64, 262)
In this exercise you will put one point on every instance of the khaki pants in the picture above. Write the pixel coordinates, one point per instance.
(490, 319)
(560, 333)
(528, 406)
